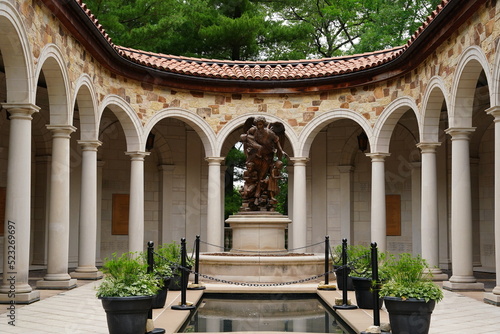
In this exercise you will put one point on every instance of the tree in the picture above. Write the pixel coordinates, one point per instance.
(331, 28)
(260, 29)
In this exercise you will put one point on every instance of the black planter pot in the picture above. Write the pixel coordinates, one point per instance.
(364, 293)
(339, 273)
(409, 316)
(127, 315)
(160, 298)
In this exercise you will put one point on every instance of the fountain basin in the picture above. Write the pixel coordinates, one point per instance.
(261, 268)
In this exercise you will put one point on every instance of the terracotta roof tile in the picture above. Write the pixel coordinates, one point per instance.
(261, 70)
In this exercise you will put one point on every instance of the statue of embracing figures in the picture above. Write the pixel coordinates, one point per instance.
(263, 146)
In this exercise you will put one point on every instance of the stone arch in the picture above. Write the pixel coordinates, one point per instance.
(384, 126)
(55, 72)
(87, 108)
(15, 49)
(128, 119)
(432, 103)
(201, 127)
(310, 131)
(469, 67)
(232, 125)
(495, 80)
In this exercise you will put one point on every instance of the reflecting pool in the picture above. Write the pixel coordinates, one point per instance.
(264, 312)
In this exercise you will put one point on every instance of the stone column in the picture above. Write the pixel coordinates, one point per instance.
(57, 276)
(299, 223)
(378, 215)
(429, 209)
(215, 224)
(461, 216)
(166, 196)
(18, 207)
(494, 296)
(88, 213)
(346, 228)
(136, 205)
(416, 205)
(100, 165)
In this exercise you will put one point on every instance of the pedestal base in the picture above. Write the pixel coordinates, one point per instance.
(92, 275)
(258, 232)
(20, 298)
(56, 285)
(451, 286)
(491, 298)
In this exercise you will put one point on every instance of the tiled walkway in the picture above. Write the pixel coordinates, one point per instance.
(79, 311)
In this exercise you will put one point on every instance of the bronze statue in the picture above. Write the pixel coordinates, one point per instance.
(263, 147)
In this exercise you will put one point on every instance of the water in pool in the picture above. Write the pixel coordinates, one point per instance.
(263, 312)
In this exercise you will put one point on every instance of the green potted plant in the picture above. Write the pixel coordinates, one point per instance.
(362, 274)
(340, 270)
(126, 292)
(409, 295)
(162, 269)
(171, 254)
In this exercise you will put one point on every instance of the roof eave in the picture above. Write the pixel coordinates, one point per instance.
(78, 23)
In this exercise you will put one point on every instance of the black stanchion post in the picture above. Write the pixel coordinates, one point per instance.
(345, 305)
(376, 286)
(196, 285)
(326, 284)
(183, 305)
(150, 256)
(151, 262)
(327, 262)
(376, 300)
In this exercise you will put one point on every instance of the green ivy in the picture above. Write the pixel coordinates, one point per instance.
(126, 275)
(409, 279)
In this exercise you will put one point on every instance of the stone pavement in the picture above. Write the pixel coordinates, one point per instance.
(79, 311)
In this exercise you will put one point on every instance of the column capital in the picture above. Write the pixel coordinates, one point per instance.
(89, 145)
(20, 110)
(495, 112)
(299, 161)
(212, 161)
(61, 130)
(459, 133)
(428, 147)
(137, 155)
(345, 168)
(377, 156)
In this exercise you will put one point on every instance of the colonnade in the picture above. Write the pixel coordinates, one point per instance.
(19, 194)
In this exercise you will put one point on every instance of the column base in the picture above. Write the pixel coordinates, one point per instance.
(491, 298)
(56, 285)
(452, 286)
(436, 274)
(20, 298)
(86, 275)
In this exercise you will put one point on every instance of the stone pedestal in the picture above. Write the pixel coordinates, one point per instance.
(258, 232)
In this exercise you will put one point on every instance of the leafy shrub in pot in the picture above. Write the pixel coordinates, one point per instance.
(410, 295)
(126, 293)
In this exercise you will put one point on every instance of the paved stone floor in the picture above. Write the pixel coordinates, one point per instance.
(79, 311)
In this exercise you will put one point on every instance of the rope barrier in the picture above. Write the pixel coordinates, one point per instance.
(262, 252)
(177, 266)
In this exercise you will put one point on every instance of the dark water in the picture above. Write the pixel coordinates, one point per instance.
(263, 312)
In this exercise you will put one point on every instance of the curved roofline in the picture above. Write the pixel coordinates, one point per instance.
(262, 76)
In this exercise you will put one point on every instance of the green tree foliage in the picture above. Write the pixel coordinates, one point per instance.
(261, 29)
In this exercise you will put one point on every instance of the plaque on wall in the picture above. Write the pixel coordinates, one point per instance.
(120, 214)
(393, 215)
(2, 209)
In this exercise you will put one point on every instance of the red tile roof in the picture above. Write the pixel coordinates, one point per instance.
(261, 70)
